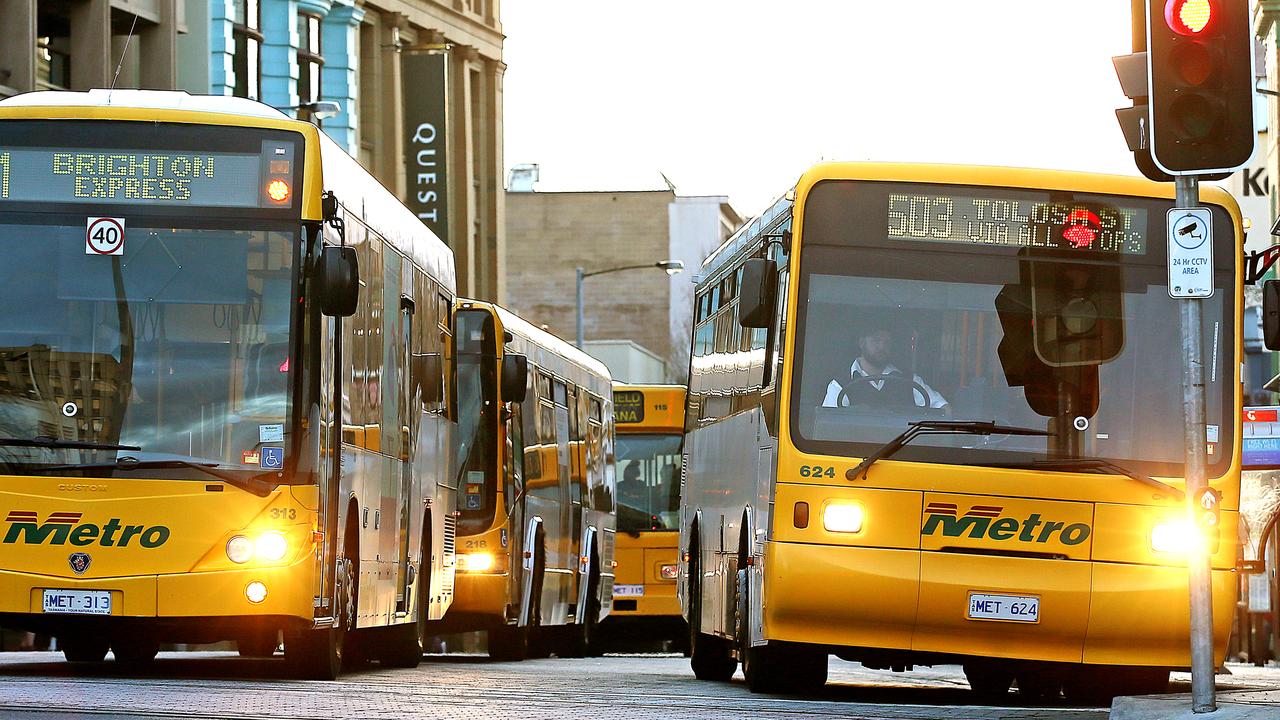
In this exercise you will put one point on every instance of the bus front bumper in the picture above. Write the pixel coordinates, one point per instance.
(216, 594)
(1090, 612)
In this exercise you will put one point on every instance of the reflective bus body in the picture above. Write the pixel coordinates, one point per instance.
(536, 503)
(650, 421)
(192, 451)
(1050, 552)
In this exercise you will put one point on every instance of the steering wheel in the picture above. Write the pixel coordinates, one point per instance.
(844, 389)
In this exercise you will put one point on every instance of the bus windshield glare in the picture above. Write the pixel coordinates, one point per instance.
(1037, 309)
(649, 484)
(179, 346)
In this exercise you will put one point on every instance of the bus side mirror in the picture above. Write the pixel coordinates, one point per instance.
(338, 281)
(1271, 314)
(515, 377)
(758, 293)
(428, 368)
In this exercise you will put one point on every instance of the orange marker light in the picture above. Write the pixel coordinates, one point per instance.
(1188, 17)
(278, 190)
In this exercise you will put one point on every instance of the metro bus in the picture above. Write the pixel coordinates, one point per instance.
(536, 487)
(223, 407)
(935, 417)
(650, 422)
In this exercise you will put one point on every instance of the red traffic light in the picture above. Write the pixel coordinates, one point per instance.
(1188, 17)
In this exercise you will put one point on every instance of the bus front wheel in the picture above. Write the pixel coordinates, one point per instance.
(82, 649)
(774, 667)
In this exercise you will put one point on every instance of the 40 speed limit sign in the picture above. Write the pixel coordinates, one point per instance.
(104, 236)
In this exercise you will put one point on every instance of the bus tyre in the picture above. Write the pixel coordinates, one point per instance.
(508, 643)
(82, 649)
(772, 667)
(136, 650)
(318, 654)
(402, 647)
(710, 657)
(1036, 684)
(989, 682)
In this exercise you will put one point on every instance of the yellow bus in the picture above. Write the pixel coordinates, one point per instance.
(650, 422)
(935, 416)
(536, 492)
(222, 399)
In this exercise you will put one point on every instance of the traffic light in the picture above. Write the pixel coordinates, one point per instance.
(1201, 85)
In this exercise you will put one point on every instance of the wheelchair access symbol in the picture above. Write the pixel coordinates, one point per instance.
(272, 458)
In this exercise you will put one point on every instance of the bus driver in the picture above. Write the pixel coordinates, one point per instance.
(875, 346)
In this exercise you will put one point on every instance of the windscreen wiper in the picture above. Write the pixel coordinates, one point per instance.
(1069, 464)
(48, 441)
(938, 427)
(126, 463)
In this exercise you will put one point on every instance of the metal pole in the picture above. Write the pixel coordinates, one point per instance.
(579, 308)
(1198, 562)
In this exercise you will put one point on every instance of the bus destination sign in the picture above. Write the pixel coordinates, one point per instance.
(147, 177)
(1007, 222)
(628, 406)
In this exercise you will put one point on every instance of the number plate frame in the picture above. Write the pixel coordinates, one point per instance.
(1003, 607)
(76, 602)
(628, 591)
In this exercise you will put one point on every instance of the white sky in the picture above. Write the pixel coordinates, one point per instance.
(738, 97)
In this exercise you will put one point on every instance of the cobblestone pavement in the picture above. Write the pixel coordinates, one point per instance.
(222, 685)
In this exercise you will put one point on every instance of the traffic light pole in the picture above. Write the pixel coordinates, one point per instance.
(1198, 562)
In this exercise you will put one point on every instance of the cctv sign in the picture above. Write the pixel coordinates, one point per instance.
(1190, 253)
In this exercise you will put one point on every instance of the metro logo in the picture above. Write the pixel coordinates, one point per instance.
(977, 523)
(63, 528)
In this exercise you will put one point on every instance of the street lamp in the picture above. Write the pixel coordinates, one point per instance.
(670, 266)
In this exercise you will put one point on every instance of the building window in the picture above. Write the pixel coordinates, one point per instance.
(310, 58)
(246, 29)
(53, 63)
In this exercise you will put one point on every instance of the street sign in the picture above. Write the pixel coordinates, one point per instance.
(1190, 253)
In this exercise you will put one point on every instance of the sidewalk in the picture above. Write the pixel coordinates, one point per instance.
(1247, 693)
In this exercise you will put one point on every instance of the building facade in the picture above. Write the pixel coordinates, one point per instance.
(79, 44)
(549, 234)
(418, 92)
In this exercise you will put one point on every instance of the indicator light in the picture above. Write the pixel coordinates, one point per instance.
(278, 190)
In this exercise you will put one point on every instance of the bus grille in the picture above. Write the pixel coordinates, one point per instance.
(450, 547)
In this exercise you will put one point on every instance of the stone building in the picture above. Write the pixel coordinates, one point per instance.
(78, 45)
(418, 88)
(549, 234)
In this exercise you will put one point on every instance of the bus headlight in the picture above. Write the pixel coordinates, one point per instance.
(842, 517)
(255, 592)
(476, 562)
(1176, 537)
(668, 572)
(239, 549)
(271, 546)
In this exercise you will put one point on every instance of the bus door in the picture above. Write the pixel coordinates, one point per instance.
(408, 399)
(563, 541)
(578, 473)
(513, 495)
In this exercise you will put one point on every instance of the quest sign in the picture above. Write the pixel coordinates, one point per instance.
(426, 102)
